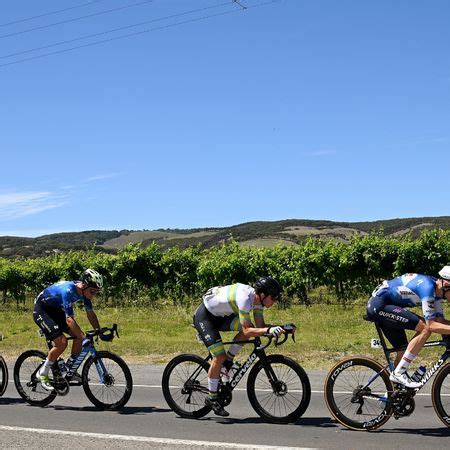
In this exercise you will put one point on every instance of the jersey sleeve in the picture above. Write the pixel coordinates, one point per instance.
(431, 307)
(258, 311)
(244, 305)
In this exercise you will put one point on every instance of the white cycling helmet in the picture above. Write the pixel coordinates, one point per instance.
(92, 278)
(444, 273)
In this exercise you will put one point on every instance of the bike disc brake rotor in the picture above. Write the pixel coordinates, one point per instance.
(108, 379)
(279, 388)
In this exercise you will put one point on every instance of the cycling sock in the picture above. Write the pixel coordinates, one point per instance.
(45, 369)
(403, 365)
(71, 360)
(233, 351)
(213, 386)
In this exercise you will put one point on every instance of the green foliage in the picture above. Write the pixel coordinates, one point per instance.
(136, 275)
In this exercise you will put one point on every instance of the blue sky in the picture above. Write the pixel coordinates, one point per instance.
(293, 109)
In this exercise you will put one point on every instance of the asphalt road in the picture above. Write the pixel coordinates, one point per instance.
(147, 422)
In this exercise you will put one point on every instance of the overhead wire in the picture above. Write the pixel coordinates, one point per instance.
(124, 36)
(74, 19)
(114, 30)
(26, 19)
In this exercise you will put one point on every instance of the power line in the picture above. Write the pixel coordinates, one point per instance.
(29, 30)
(91, 44)
(101, 33)
(49, 13)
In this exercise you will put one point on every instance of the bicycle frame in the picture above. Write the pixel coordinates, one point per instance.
(86, 350)
(258, 352)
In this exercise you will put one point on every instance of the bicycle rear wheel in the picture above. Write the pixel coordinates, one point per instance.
(26, 380)
(107, 381)
(3, 376)
(185, 385)
(357, 392)
(278, 389)
(440, 394)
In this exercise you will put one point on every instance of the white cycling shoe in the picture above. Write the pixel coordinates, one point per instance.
(405, 380)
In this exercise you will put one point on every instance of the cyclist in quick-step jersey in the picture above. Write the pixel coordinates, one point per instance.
(53, 314)
(387, 307)
(227, 308)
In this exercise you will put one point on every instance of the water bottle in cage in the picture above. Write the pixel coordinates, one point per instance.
(419, 373)
(62, 366)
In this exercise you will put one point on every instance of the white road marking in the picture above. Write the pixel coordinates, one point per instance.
(158, 386)
(167, 441)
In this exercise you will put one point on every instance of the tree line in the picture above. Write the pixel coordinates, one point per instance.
(136, 275)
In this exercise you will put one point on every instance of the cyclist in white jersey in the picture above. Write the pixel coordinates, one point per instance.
(227, 308)
(388, 304)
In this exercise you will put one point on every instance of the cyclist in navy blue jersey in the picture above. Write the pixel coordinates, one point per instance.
(54, 315)
(387, 307)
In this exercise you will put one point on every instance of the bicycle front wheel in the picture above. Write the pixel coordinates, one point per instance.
(440, 394)
(278, 389)
(25, 378)
(107, 380)
(3, 376)
(185, 385)
(357, 392)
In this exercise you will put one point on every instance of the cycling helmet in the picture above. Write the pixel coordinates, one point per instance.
(444, 273)
(268, 286)
(92, 278)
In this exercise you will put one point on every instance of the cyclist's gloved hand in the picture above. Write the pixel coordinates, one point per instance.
(275, 331)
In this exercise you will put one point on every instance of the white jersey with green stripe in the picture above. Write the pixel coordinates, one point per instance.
(236, 298)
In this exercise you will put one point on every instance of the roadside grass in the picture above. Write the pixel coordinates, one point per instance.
(325, 333)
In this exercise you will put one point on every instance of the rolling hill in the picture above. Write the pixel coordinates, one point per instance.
(261, 233)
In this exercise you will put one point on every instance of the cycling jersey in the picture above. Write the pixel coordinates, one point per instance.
(413, 289)
(63, 295)
(235, 299)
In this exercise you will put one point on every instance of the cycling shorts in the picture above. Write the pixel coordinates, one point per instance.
(52, 321)
(393, 319)
(208, 327)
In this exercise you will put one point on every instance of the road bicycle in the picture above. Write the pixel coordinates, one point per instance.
(360, 395)
(277, 386)
(3, 376)
(105, 377)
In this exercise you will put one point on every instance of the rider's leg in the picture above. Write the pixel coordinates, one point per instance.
(207, 327)
(413, 349)
(216, 365)
(419, 328)
(52, 322)
(53, 354)
(75, 331)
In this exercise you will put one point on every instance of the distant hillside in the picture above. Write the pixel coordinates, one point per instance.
(263, 234)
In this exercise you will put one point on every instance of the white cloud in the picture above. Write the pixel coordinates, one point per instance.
(19, 204)
(106, 176)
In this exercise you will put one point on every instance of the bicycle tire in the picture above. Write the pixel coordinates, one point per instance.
(107, 384)
(289, 401)
(186, 396)
(360, 370)
(440, 394)
(25, 379)
(3, 376)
